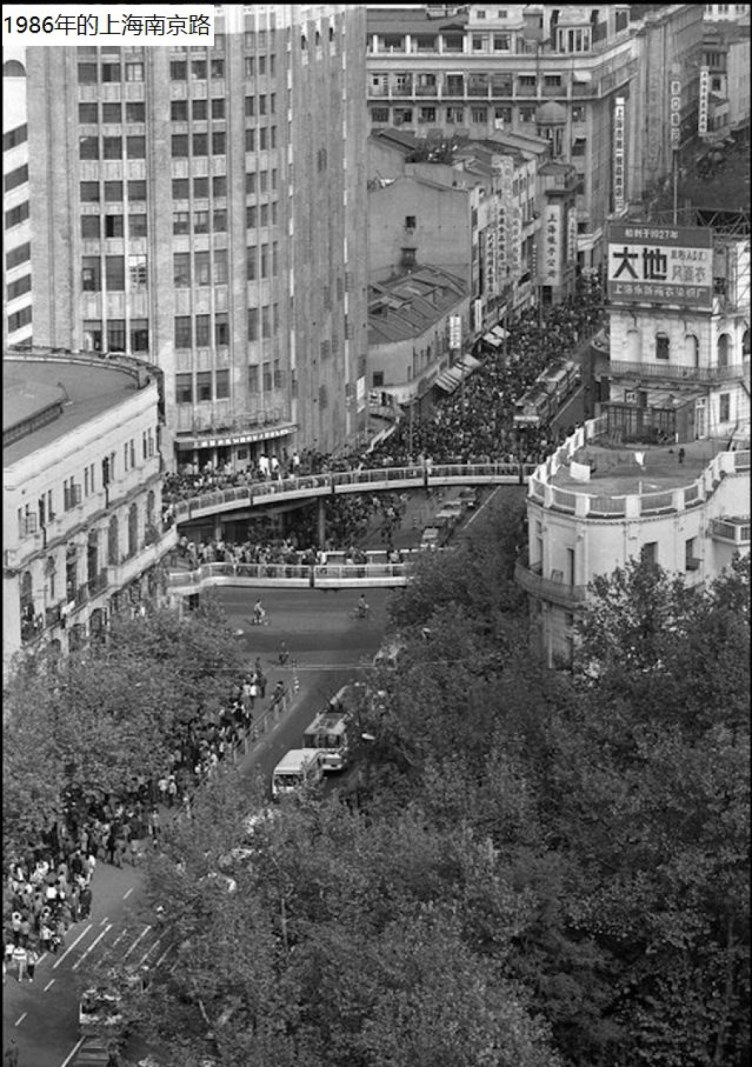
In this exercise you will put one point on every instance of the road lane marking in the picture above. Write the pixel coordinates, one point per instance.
(104, 920)
(42, 957)
(21, 1019)
(94, 943)
(163, 956)
(119, 938)
(70, 948)
(72, 1052)
(148, 952)
(48, 985)
(143, 933)
(126, 895)
(488, 500)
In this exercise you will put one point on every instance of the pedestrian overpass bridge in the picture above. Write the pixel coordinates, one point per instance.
(311, 486)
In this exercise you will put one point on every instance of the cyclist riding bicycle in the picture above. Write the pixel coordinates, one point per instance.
(362, 607)
(258, 613)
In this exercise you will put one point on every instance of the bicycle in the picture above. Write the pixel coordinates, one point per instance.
(359, 613)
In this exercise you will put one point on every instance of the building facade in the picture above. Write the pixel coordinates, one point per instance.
(563, 73)
(17, 297)
(663, 470)
(205, 208)
(82, 507)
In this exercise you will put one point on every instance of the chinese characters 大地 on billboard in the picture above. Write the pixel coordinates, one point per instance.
(654, 265)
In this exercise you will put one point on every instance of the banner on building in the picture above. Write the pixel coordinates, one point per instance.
(571, 236)
(618, 181)
(455, 331)
(703, 102)
(660, 265)
(552, 245)
(675, 88)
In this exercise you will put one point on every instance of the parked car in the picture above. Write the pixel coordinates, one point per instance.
(469, 497)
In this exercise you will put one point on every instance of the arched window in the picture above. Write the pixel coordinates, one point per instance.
(14, 69)
(113, 542)
(745, 343)
(632, 346)
(662, 345)
(692, 350)
(132, 530)
(723, 350)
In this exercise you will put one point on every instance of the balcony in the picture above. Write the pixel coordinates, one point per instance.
(426, 90)
(477, 87)
(551, 589)
(526, 90)
(454, 90)
(731, 531)
(673, 372)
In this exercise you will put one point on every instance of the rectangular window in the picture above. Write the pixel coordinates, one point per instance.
(23, 253)
(250, 107)
(220, 266)
(181, 222)
(724, 407)
(200, 221)
(266, 372)
(19, 319)
(200, 142)
(179, 110)
(178, 70)
(113, 191)
(200, 188)
(253, 379)
(181, 270)
(183, 331)
(110, 72)
(139, 335)
(221, 331)
(135, 147)
(135, 112)
(184, 388)
(116, 335)
(180, 189)
(137, 272)
(219, 221)
(250, 217)
(253, 324)
(691, 562)
(113, 225)
(250, 184)
(137, 225)
(264, 261)
(202, 268)
(112, 113)
(89, 192)
(219, 143)
(222, 384)
(88, 73)
(204, 385)
(137, 189)
(15, 137)
(199, 110)
(88, 148)
(649, 552)
(479, 114)
(19, 287)
(264, 215)
(218, 107)
(250, 140)
(251, 263)
(179, 145)
(134, 72)
(218, 68)
(266, 321)
(93, 335)
(198, 69)
(203, 336)
(426, 114)
(115, 272)
(661, 346)
(88, 114)
(219, 185)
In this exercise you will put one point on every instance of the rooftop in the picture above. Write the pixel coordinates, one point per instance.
(406, 306)
(411, 20)
(616, 472)
(44, 399)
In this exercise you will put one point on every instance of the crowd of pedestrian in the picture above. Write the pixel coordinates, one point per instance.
(475, 424)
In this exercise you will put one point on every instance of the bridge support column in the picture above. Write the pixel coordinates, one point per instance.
(321, 521)
(218, 531)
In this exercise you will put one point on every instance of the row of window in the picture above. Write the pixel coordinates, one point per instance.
(18, 287)
(199, 109)
(15, 137)
(91, 273)
(110, 70)
(199, 144)
(114, 226)
(198, 68)
(91, 192)
(112, 147)
(207, 270)
(209, 385)
(19, 319)
(16, 177)
(455, 115)
(267, 377)
(19, 255)
(181, 187)
(116, 335)
(112, 113)
(199, 332)
(203, 221)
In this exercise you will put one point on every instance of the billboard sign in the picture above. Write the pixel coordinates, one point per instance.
(455, 331)
(704, 100)
(675, 89)
(552, 248)
(660, 265)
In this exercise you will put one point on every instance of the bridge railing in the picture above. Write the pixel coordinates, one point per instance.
(280, 574)
(258, 492)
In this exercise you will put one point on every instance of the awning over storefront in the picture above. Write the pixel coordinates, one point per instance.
(500, 332)
(223, 440)
(492, 339)
(451, 378)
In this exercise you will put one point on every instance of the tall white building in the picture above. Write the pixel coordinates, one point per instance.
(17, 309)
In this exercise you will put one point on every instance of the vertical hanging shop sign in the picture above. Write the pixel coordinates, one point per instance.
(618, 187)
(675, 87)
(702, 103)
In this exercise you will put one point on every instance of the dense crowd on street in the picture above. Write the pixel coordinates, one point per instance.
(473, 425)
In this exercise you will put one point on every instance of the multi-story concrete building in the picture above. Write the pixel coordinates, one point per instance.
(82, 507)
(727, 13)
(568, 74)
(409, 334)
(17, 299)
(724, 80)
(664, 468)
(205, 208)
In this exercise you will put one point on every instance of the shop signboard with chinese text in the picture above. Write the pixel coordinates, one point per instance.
(702, 103)
(675, 88)
(455, 331)
(619, 115)
(552, 237)
(660, 265)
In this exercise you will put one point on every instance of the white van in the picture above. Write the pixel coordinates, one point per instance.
(300, 767)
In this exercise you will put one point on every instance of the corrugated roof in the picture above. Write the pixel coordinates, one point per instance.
(411, 303)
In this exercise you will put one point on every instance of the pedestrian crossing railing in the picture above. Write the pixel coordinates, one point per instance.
(382, 478)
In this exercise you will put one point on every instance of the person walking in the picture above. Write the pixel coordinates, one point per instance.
(32, 958)
(19, 958)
